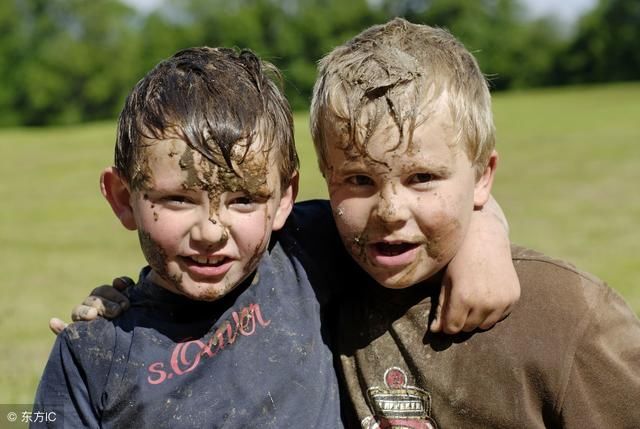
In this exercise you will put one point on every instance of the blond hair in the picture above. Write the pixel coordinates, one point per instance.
(397, 69)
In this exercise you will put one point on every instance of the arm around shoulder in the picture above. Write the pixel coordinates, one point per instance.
(480, 284)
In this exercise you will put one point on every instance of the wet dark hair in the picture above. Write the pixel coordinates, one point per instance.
(212, 98)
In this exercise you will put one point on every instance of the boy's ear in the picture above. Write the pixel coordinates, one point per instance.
(116, 192)
(287, 199)
(482, 190)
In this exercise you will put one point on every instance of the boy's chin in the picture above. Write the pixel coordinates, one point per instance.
(206, 292)
(401, 280)
(196, 290)
(398, 281)
(394, 284)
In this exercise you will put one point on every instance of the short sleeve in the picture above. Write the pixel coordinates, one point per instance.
(73, 378)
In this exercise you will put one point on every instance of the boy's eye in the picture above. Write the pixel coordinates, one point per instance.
(177, 199)
(421, 178)
(244, 200)
(243, 203)
(360, 180)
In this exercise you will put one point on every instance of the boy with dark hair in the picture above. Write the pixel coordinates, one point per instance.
(224, 328)
(226, 323)
(401, 119)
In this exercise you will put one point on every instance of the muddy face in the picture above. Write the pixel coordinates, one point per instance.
(403, 209)
(203, 225)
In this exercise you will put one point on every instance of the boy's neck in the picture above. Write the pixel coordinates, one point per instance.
(180, 308)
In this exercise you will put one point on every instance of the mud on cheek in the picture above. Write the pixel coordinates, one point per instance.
(358, 246)
(157, 258)
(448, 241)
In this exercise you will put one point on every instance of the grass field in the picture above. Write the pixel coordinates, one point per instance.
(568, 181)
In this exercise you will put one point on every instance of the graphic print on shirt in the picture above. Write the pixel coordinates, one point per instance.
(397, 405)
(186, 356)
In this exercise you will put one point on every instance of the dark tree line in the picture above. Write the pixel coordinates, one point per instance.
(68, 61)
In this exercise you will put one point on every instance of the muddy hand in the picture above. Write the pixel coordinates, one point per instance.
(56, 325)
(104, 301)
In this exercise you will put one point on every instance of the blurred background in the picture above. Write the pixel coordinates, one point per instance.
(565, 78)
(70, 61)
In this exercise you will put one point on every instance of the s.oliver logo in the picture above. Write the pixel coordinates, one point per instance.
(186, 356)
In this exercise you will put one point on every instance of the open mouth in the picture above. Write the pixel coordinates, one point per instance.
(392, 254)
(203, 267)
(393, 249)
(204, 261)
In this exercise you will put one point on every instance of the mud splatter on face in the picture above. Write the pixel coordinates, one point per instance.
(217, 293)
(156, 257)
(248, 175)
(359, 246)
(257, 254)
(187, 164)
(141, 177)
(437, 246)
(409, 273)
(243, 195)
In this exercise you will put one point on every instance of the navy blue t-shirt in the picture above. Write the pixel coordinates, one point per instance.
(259, 357)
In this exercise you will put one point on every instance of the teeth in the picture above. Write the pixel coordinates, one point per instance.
(209, 261)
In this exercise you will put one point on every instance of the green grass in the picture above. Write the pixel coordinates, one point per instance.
(569, 175)
(567, 180)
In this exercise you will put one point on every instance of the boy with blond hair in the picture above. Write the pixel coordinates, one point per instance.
(227, 325)
(402, 124)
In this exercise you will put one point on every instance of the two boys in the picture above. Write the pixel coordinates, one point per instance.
(227, 325)
(403, 129)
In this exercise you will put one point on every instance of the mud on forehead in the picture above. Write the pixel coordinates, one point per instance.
(401, 107)
(205, 97)
(364, 88)
(248, 172)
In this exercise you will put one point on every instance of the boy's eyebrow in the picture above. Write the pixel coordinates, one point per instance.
(437, 169)
(424, 165)
(356, 166)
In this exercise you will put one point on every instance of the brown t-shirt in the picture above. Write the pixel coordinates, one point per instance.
(567, 356)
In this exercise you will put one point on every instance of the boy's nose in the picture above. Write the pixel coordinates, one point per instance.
(391, 208)
(209, 230)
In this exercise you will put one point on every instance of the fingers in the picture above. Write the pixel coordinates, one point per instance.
(83, 312)
(109, 301)
(105, 301)
(436, 324)
(56, 325)
(494, 317)
(477, 319)
(121, 283)
(103, 307)
(455, 318)
(455, 314)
